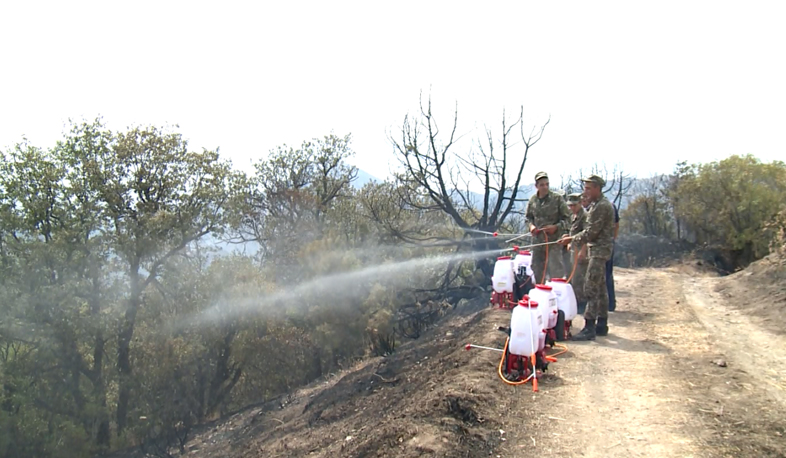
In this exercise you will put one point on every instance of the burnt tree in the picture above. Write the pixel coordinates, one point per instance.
(435, 177)
(618, 183)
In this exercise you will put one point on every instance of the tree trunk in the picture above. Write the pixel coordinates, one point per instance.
(125, 334)
(99, 391)
(484, 264)
(225, 377)
(101, 435)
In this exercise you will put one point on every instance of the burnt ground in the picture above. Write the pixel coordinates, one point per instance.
(687, 371)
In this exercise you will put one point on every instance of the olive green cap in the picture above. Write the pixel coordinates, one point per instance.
(595, 179)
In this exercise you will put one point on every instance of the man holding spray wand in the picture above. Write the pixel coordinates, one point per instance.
(598, 234)
(548, 218)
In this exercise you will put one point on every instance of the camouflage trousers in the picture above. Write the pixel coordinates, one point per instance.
(555, 269)
(577, 282)
(595, 290)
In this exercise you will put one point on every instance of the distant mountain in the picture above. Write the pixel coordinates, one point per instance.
(363, 178)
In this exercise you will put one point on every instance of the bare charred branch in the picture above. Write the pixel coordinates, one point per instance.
(435, 174)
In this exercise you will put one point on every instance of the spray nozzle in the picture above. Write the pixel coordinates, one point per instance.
(495, 234)
(468, 347)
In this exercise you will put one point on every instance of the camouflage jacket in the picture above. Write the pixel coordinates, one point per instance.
(551, 209)
(598, 232)
(577, 224)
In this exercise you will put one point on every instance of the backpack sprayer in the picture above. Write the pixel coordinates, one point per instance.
(541, 314)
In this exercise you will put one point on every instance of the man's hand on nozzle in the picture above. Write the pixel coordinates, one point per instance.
(565, 240)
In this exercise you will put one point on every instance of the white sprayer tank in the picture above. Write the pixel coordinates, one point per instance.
(566, 297)
(523, 261)
(526, 257)
(502, 281)
(546, 296)
(541, 322)
(525, 329)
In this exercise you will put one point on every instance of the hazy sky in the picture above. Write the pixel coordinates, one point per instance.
(641, 84)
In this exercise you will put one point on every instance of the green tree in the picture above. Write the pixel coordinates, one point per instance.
(649, 212)
(159, 197)
(729, 203)
(291, 195)
(46, 247)
(85, 231)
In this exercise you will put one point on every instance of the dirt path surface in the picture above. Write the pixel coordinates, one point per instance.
(680, 375)
(756, 350)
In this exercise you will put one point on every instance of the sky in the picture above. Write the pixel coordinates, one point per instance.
(638, 85)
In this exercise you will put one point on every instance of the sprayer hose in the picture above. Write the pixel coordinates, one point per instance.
(563, 350)
(502, 363)
(520, 382)
(546, 263)
(573, 272)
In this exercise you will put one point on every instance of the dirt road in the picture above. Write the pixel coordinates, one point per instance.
(680, 375)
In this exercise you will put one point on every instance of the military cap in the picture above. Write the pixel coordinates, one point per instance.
(574, 199)
(595, 179)
(540, 175)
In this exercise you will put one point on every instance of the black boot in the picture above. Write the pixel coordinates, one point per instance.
(602, 329)
(588, 333)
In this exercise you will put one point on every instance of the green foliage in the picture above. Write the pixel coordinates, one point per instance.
(729, 203)
(649, 213)
(777, 229)
(85, 229)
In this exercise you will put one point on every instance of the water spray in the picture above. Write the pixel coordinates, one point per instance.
(336, 287)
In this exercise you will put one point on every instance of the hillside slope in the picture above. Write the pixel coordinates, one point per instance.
(430, 398)
(665, 382)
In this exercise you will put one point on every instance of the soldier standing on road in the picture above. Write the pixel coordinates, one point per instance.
(548, 218)
(598, 234)
(577, 223)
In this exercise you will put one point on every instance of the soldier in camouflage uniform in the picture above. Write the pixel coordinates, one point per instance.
(598, 234)
(577, 222)
(548, 217)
